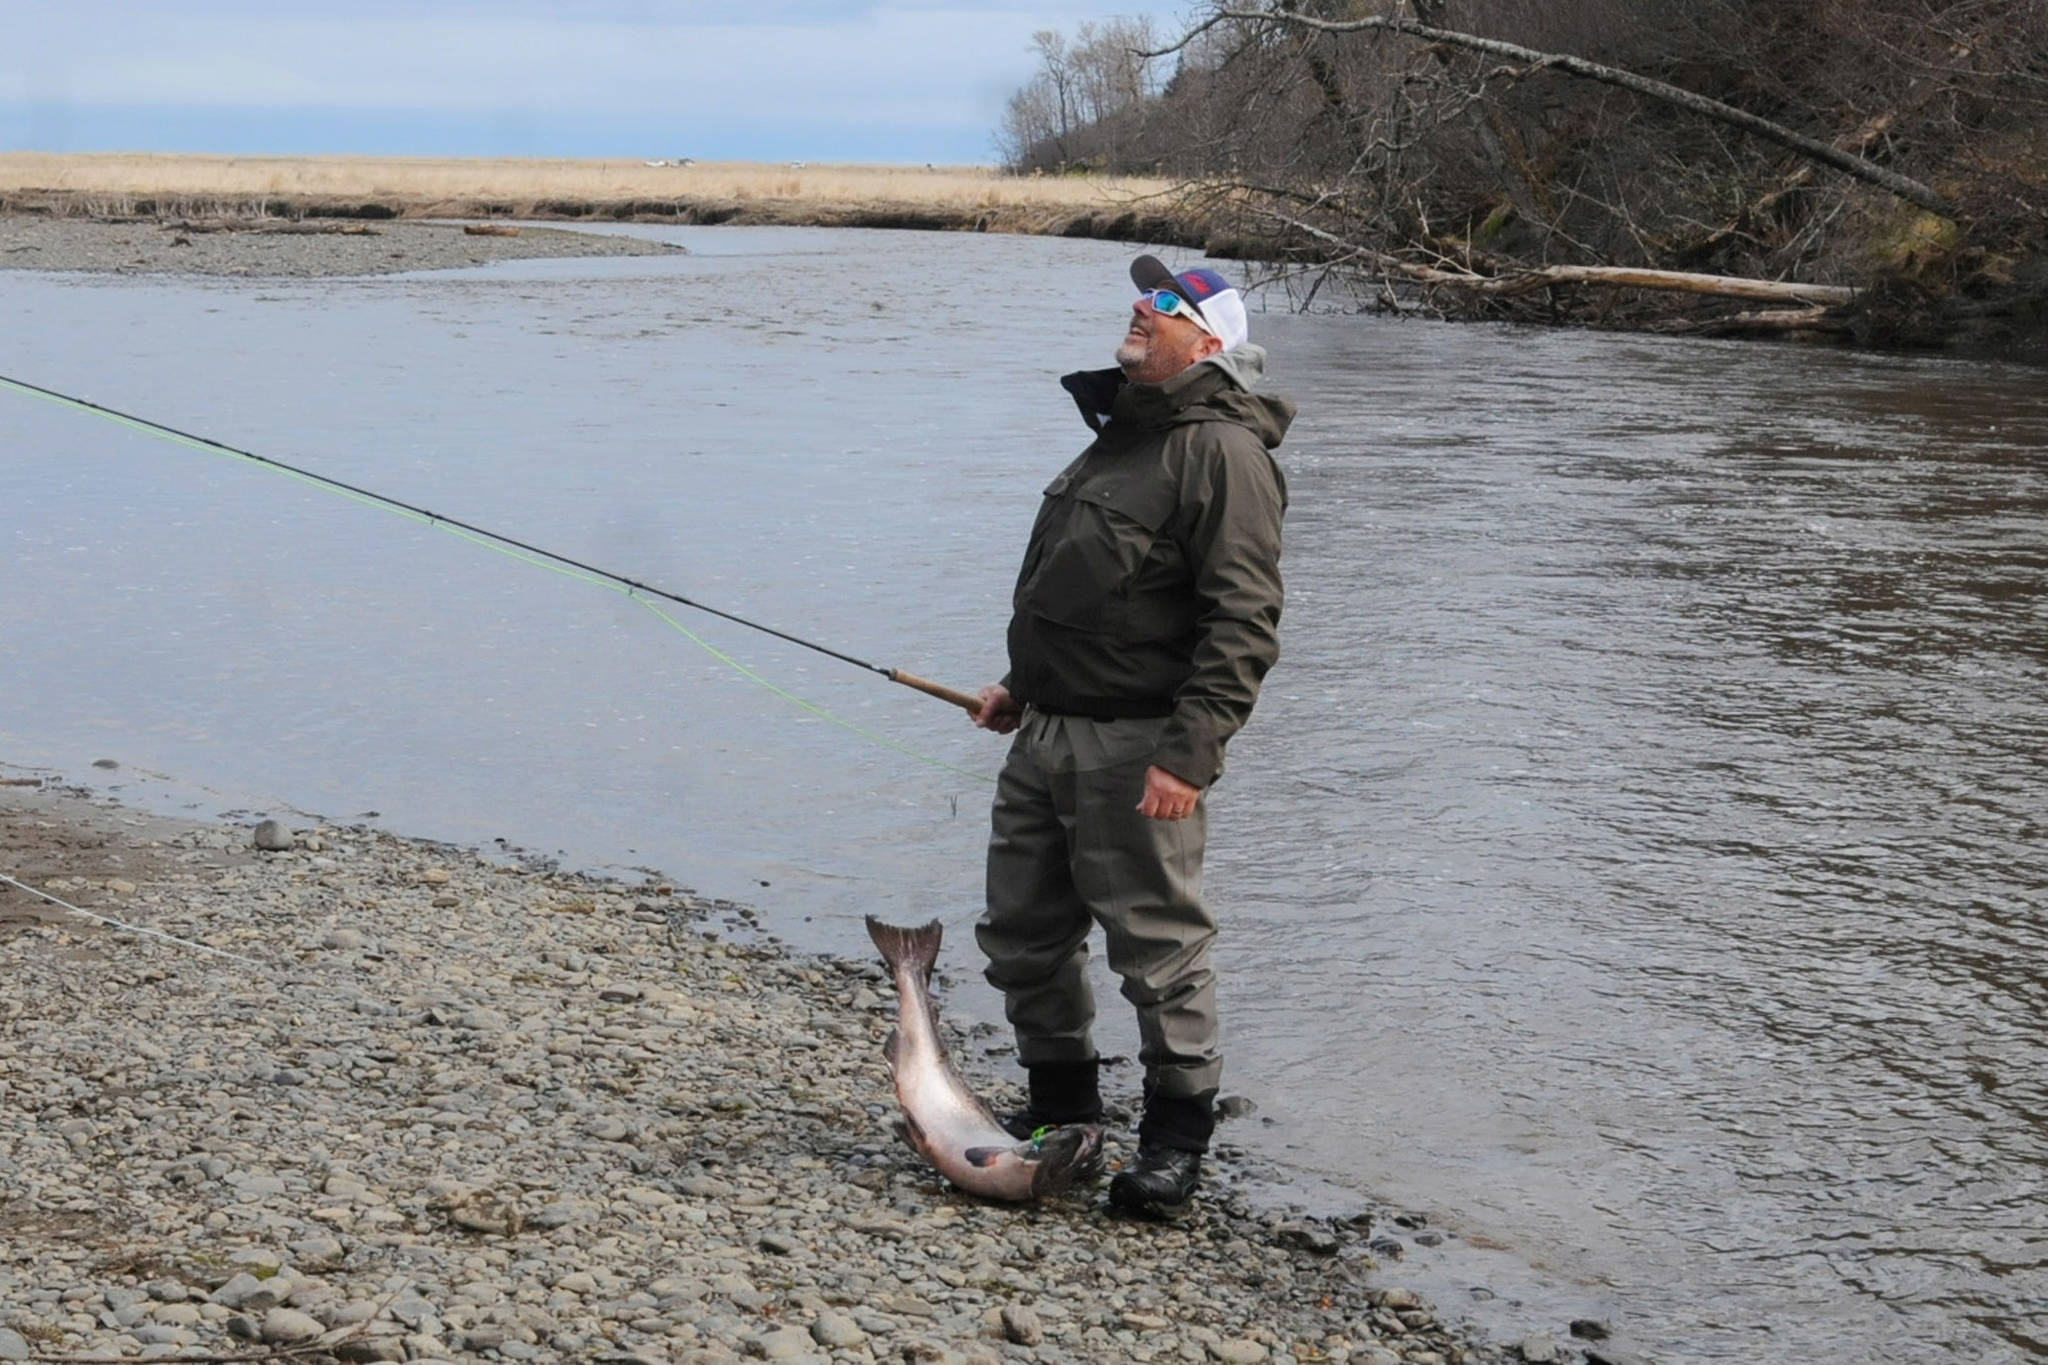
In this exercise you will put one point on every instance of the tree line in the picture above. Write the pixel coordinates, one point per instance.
(1519, 158)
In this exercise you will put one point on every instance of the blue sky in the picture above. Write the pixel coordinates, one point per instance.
(725, 79)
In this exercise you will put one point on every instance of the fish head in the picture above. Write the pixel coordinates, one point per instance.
(1064, 1155)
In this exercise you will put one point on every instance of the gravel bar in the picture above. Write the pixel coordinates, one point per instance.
(457, 1106)
(281, 249)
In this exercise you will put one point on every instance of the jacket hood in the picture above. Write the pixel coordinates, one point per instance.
(1218, 389)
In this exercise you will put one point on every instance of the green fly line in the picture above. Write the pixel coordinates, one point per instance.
(646, 595)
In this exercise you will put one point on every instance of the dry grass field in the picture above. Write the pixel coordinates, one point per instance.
(99, 182)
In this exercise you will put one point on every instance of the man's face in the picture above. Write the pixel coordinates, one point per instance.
(1156, 347)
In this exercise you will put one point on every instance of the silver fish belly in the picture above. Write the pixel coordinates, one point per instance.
(942, 1118)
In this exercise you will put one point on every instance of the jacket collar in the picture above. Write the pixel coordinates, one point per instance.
(1105, 395)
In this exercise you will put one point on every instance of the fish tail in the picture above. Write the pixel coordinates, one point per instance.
(916, 948)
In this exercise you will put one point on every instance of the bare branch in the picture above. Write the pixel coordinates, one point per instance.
(1905, 187)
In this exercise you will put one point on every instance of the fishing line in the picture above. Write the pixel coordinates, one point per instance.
(129, 928)
(514, 548)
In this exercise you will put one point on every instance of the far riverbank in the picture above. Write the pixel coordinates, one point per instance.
(679, 190)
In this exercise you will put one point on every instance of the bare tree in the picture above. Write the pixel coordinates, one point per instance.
(1827, 153)
(1525, 156)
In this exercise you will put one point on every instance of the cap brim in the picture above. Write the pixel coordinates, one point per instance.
(1149, 272)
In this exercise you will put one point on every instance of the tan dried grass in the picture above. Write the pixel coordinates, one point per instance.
(435, 179)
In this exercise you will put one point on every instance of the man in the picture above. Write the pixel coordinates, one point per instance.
(1145, 617)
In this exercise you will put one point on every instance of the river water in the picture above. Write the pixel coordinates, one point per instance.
(1636, 864)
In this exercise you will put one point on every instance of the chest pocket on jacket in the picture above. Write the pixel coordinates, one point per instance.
(1096, 538)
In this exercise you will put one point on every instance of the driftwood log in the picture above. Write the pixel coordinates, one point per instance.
(1762, 321)
(1527, 279)
(282, 229)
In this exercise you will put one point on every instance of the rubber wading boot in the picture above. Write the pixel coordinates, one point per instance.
(1061, 1093)
(1160, 1182)
(1171, 1139)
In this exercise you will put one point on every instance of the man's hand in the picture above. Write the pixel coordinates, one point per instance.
(1167, 797)
(998, 711)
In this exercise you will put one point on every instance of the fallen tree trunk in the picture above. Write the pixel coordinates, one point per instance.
(1510, 283)
(1763, 320)
(1679, 281)
(272, 227)
(1864, 169)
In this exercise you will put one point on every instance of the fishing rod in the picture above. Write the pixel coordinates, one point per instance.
(965, 701)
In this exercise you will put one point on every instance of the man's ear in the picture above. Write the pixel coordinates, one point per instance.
(1209, 345)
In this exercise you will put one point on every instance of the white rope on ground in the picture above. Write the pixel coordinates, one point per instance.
(130, 928)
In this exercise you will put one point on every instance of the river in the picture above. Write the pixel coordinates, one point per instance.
(1636, 863)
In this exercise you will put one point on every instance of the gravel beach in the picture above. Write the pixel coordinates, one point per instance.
(275, 248)
(447, 1105)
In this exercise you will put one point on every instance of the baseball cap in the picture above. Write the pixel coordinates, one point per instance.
(1219, 308)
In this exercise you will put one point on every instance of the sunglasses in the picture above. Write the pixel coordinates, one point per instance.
(1168, 304)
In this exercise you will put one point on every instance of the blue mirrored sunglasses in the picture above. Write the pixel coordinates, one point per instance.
(1170, 304)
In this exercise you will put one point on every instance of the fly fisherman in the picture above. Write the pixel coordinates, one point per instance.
(1145, 616)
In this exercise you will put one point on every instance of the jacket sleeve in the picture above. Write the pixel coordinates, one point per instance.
(1232, 500)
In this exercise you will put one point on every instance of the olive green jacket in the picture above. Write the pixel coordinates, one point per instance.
(1151, 584)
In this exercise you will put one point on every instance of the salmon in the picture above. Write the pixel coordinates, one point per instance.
(942, 1119)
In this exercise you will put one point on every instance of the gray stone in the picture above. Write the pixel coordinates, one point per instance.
(780, 1243)
(13, 1345)
(370, 1350)
(272, 837)
(836, 1330)
(1609, 1354)
(317, 1248)
(1309, 1237)
(250, 1294)
(161, 1334)
(557, 1215)
(784, 1343)
(1238, 1351)
(345, 939)
(285, 1326)
(1538, 1349)
(1021, 1325)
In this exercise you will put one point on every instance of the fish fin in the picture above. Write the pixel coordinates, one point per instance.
(892, 1047)
(917, 948)
(914, 1131)
(901, 1128)
(982, 1157)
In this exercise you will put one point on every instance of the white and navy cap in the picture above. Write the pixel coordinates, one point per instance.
(1218, 307)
